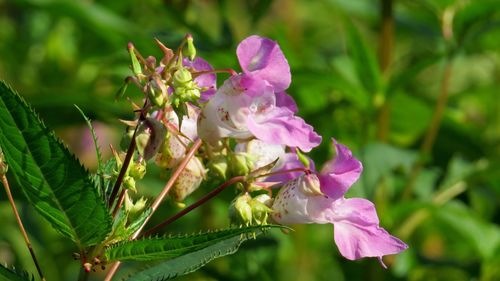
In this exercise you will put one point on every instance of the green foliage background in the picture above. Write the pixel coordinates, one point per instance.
(63, 52)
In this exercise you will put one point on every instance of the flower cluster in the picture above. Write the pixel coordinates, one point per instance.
(183, 106)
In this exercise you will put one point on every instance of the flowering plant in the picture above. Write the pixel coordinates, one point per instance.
(245, 133)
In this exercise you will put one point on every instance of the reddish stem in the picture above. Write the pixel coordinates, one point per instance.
(195, 205)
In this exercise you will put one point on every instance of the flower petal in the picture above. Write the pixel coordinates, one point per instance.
(340, 173)
(357, 232)
(264, 59)
(280, 126)
(285, 100)
(288, 161)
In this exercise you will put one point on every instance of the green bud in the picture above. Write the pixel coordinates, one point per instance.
(181, 77)
(137, 170)
(218, 166)
(3, 165)
(240, 211)
(240, 164)
(136, 66)
(190, 52)
(260, 208)
(129, 183)
(156, 97)
(303, 159)
(134, 209)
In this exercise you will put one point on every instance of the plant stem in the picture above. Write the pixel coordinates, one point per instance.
(5, 183)
(195, 205)
(84, 275)
(430, 136)
(386, 43)
(159, 199)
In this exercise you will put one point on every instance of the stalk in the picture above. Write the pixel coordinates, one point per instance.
(5, 183)
(386, 44)
(196, 145)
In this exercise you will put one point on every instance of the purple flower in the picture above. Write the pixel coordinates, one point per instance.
(319, 198)
(254, 104)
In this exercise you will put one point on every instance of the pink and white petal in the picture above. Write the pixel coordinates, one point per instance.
(264, 59)
(209, 126)
(285, 100)
(357, 232)
(280, 126)
(340, 173)
(262, 153)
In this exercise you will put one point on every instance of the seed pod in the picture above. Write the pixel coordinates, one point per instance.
(150, 137)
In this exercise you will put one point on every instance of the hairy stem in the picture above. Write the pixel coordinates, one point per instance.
(5, 183)
(195, 205)
(159, 199)
(386, 43)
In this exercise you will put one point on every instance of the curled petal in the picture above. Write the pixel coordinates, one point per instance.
(264, 59)
(280, 126)
(285, 100)
(357, 232)
(340, 173)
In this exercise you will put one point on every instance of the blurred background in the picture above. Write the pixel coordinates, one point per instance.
(412, 87)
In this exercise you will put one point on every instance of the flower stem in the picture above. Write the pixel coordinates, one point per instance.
(386, 43)
(195, 205)
(159, 199)
(123, 170)
(5, 183)
(430, 136)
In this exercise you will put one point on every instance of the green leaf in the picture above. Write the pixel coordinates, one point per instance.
(94, 139)
(7, 274)
(365, 62)
(54, 182)
(170, 247)
(204, 248)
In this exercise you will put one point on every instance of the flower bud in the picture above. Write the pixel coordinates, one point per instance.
(309, 185)
(137, 170)
(134, 209)
(218, 166)
(240, 211)
(181, 77)
(261, 208)
(136, 66)
(189, 180)
(190, 52)
(240, 164)
(129, 183)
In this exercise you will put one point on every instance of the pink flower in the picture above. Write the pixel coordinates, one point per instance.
(319, 198)
(254, 104)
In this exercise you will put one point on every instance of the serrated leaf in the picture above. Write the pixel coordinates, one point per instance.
(7, 274)
(170, 247)
(52, 179)
(198, 257)
(95, 140)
